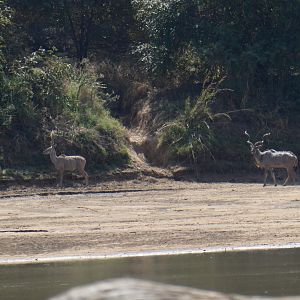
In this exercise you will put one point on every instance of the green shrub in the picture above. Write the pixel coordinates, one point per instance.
(44, 94)
(190, 137)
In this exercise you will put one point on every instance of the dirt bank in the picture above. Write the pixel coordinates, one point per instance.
(152, 214)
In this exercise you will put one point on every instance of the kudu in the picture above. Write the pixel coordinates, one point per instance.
(272, 159)
(67, 163)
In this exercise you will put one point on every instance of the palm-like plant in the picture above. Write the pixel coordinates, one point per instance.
(191, 134)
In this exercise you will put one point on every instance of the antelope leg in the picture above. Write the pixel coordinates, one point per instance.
(273, 176)
(265, 177)
(288, 177)
(61, 175)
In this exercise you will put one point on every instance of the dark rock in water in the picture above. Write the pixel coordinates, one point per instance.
(132, 289)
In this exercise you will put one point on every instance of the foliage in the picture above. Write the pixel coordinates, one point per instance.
(155, 55)
(5, 21)
(75, 26)
(44, 93)
(164, 23)
(191, 135)
(253, 43)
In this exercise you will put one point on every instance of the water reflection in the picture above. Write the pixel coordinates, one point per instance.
(273, 273)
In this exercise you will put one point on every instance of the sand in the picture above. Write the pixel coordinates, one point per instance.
(133, 216)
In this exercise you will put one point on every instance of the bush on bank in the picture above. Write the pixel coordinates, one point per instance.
(43, 94)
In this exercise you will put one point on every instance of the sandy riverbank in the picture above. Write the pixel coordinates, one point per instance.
(150, 215)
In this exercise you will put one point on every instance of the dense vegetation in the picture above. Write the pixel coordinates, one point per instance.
(193, 73)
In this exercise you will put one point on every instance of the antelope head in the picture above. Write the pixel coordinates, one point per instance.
(48, 150)
(52, 147)
(258, 144)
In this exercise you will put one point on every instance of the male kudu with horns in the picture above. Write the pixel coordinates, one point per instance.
(272, 159)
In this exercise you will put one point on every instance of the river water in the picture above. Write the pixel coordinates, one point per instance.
(271, 273)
